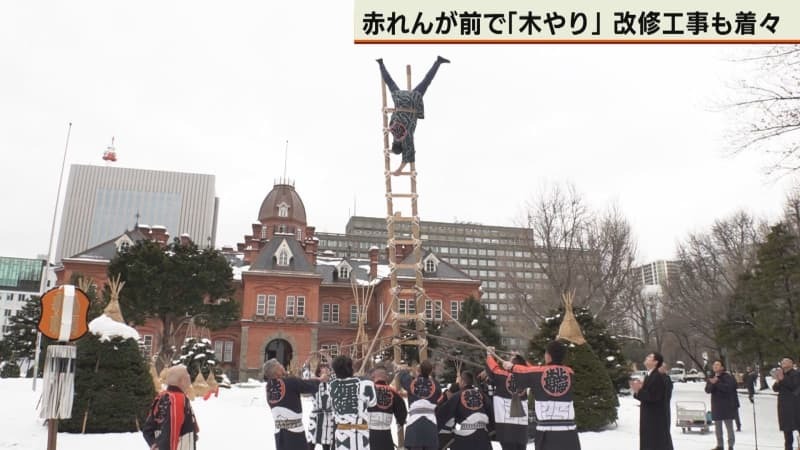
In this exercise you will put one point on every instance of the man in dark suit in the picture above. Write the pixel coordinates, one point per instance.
(654, 411)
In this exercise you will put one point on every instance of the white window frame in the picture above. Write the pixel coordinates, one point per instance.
(227, 355)
(300, 306)
(272, 305)
(290, 310)
(283, 258)
(326, 312)
(261, 304)
(145, 348)
(428, 309)
(334, 313)
(459, 306)
(353, 314)
(430, 265)
(437, 312)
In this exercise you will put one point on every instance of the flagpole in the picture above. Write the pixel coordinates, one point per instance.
(49, 253)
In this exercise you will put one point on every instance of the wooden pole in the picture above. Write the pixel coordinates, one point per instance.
(377, 333)
(461, 325)
(52, 433)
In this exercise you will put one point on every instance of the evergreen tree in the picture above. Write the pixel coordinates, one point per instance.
(595, 395)
(113, 387)
(198, 357)
(596, 400)
(172, 283)
(604, 344)
(20, 339)
(763, 321)
(476, 319)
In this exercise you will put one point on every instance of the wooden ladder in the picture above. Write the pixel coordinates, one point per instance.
(393, 218)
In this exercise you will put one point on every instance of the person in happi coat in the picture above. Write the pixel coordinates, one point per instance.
(423, 392)
(283, 398)
(552, 387)
(389, 405)
(654, 408)
(446, 429)
(471, 410)
(510, 407)
(350, 398)
(408, 107)
(320, 428)
(171, 424)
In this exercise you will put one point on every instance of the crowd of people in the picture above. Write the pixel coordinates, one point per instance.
(356, 413)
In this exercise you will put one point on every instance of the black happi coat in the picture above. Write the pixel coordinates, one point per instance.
(788, 391)
(390, 404)
(654, 421)
(508, 429)
(551, 386)
(471, 410)
(423, 393)
(283, 398)
(170, 420)
(724, 399)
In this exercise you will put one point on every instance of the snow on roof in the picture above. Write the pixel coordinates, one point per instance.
(108, 328)
(237, 271)
(328, 262)
(383, 270)
(142, 225)
(158, 227)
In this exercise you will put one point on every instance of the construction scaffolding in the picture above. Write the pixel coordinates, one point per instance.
(402, 295)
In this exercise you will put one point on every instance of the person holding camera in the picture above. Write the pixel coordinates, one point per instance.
(787, 385)
(724, 402)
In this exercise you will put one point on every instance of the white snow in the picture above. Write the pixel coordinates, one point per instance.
(108, 328)
(237, 271)
(474, 322)
(241, 412)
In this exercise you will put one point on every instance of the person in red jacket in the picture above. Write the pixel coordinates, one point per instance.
(171, 424)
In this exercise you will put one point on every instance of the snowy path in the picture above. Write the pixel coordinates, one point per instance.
(240, 416)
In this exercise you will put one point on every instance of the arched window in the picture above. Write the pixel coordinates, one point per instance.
(283, 210)
(430, 265)
(283, 258)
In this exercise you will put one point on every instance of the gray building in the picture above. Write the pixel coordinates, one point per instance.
(102, 202)
(20, 279)
(487, 253)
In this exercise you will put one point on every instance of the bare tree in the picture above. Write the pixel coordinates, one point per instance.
(575, 248)
(709, 265)
(767, 110)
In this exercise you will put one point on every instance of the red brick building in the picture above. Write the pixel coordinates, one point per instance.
(294, 301)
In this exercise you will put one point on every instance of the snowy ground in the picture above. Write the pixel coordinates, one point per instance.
(240, 416)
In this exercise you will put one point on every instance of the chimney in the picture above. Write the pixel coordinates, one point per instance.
(257, 230)
(159, 234)
(373, 262)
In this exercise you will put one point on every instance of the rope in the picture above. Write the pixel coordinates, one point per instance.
(456, 341)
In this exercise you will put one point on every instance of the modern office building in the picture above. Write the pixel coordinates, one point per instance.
(20, 279)
(102, 202)
(656, 273)
(487, 253)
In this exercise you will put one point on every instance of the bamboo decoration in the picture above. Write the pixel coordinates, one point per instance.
(569, 329)
(154, 375)
(363, 297)
(113, 310)
(199, 385)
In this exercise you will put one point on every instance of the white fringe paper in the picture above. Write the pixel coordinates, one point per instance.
(58, 382)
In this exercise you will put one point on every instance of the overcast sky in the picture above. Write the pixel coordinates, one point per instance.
(218, 88)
